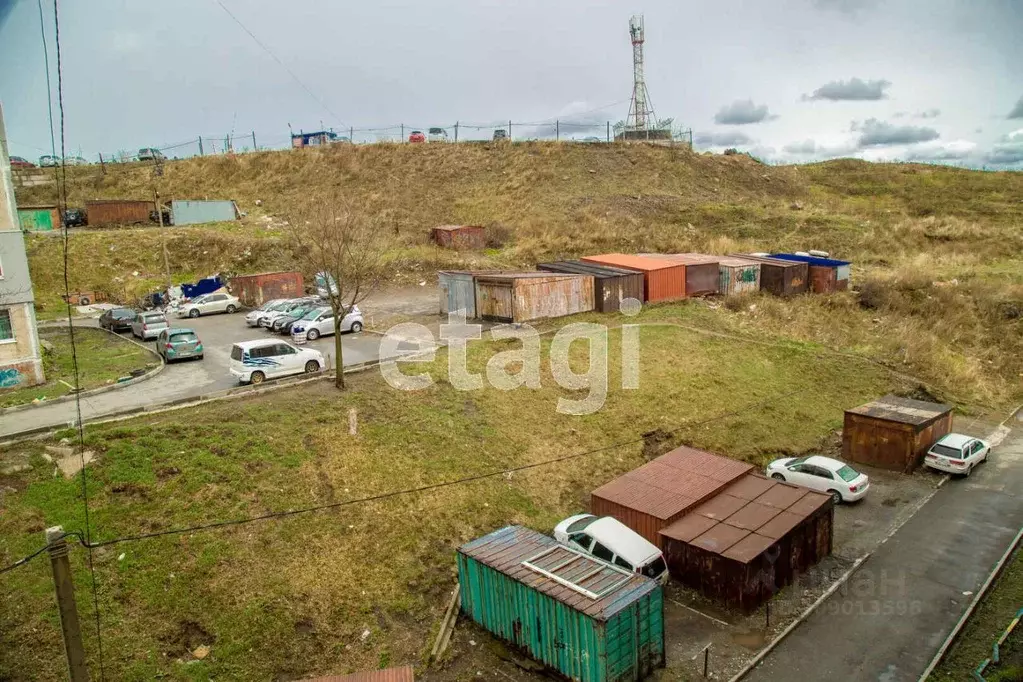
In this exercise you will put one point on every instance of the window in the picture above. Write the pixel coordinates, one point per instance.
(946, 451)
(186, 337)
(623, 563)
(847, 473)
(581, 524)
(236, 353)
(977, 445)
(818, 471)
(601, 552)
(581, 539)
(6, 328)
(283, 349)
(655, 568)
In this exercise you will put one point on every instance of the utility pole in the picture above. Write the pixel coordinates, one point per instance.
(163, 237)
(351, 134)
(509, 131)
(200, 146)
(402, 132)
(102, 165)
(65, 588)
(254, 147)
(557, 131)
(609, 131)
(456, 131)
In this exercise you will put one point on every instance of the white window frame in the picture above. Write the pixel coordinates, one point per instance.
(10, 319)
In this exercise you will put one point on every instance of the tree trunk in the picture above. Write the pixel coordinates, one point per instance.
(339, 365)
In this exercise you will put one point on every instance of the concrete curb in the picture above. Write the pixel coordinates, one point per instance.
(96, 391)
(950, 640)
(762, 654)
(191, 401)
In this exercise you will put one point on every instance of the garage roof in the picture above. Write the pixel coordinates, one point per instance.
(903, 410)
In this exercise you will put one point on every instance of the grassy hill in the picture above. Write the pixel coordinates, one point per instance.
(936, 250)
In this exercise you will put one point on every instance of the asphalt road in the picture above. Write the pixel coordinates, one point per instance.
(186, 379)
(889, 620)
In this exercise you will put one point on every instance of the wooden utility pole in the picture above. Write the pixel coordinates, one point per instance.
(509, 131)
(200, 146)
(163, 237)
(557, 131)
(609, 131)
(254, 147)
(57, 546)
(402, 132)
(456, 131)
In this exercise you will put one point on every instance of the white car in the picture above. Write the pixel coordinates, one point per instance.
(148, 325)
(437, 135)
(823, 474)
(252, 319)
(253, 362)
(955, 453)
(320, 322)
(283, 309)
(209, 303)
(609, 539)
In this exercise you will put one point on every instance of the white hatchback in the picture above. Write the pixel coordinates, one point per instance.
(825, 474)
(253, 362)
(955, 453)
(609, 539)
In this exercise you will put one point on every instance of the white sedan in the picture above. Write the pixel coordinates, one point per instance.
(827, 475)
(955, 453)
(209, 303)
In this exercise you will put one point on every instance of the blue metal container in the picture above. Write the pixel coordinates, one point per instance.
(585, 618)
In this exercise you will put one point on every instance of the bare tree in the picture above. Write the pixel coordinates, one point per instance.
(344, 249)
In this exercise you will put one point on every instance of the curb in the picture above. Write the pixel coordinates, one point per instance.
(96, 391)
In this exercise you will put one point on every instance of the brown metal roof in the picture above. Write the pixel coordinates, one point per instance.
(747, 517)
(687, 258)
(903, 410)
(734, 262)
(402, 674)
(629, 262)
(673, 482)
(778, 262)
(506, 549)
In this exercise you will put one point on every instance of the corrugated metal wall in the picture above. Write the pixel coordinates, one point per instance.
(255, 290)
(737, 276)
(472, 237)
(890, 445)
(663, 281)
(198, 212)
(457, 292)
(118, 212)
(39, 218)
(611, 285)
(524, 298)
(779, 277)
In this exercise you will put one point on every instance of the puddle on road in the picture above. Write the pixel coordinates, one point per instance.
(753, 640)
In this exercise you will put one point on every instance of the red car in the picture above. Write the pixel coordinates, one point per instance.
(18, 162)
(417, 136)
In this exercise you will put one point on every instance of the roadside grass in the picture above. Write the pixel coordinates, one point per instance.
(985, 626)
(102, 359)
(296, 596)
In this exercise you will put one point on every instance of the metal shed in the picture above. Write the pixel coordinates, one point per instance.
(611, 285)
(738, 276)
(701, 271)
(470, 237)
(118, 212)
(524, 296)
(587, 619)
(780, 277)
(457, 292)
(658, 493)
(894, 433)
(199, 212)
(39, 218)
(255, 290)
(752, 539)
(826, 274)
(663, 280)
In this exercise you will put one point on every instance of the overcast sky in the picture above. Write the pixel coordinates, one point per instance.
(785, 79)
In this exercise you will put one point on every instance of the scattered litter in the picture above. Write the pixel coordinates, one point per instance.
(134, 273)
(121, 557)
(472, 642)
(967, 593)
(201, 652)
(423, 283)
(365, 635)
(259, 202)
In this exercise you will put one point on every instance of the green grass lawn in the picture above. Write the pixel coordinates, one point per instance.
(293, 597)
(102, 359)
(992, 616)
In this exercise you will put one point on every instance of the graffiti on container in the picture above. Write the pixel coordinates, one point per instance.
(747, 275)
(797, 282)
(9, 377)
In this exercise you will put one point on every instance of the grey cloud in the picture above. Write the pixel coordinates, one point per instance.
(898, 114)
(805, 147)
(930, 113)
(875, 133)
(852, 90)
(1017, 111)
(722, 139)
(741, 112)
(844, 6)
(950, 152)
(1008, 151)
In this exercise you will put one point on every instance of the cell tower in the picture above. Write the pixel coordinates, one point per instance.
(641, 110)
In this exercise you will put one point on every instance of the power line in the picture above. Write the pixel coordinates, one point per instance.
(278, 60)
(62, 202)
(49, 89)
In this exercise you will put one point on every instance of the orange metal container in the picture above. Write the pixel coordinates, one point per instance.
(665, 280)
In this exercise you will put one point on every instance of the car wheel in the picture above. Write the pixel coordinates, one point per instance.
(969, 471)
(312, 334)
(312, 367)
(193, 313)
(231, 309)
(356, 327)
(778, 477)
(84, 300)
(257, 378)
(836, 496)
(200, 357)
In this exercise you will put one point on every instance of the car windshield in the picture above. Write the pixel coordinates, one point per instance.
(847, 473)
(312, 314)
(947, 451)
(655, 567)
(236, 353)
(269, 305)
(124, 313)
(155, 318)
(581, 524)
(436, 131)
(199, 299)
(795, 460)
(184, 337)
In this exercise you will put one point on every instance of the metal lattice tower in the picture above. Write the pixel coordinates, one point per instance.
(641, 109)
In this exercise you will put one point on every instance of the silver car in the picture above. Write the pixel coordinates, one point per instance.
(148, 324)
(320, 322)
(208, 304)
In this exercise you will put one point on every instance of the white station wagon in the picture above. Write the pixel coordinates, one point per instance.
(253, 362)
(609, 539)
(955, 453)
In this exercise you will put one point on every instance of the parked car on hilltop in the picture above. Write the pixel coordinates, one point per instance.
(49, 161)
(253, 362)
(151, 154)
(19, 162)
(208, 304)
(179, 344)
(75, 161)
(437, 135)
(148, 325)
(955, 453)
(320, 322)
(500, 134)
(416, 136)
(611, 540)
(117, 319)
(824, 474)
